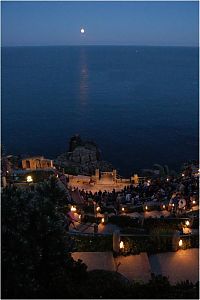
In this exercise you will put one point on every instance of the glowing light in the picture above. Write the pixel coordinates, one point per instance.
(180, 243)
(102, 220)
(146, 207)
(29, 179)
(173, 204)
(167, 179)
(121, 245)
(73, 208)
(149, 181)
(98, 208)
(193, 201)
(164, 206)
(82, 30)
(79, 216)
(123, 209)
(183, 174)
(187, 223)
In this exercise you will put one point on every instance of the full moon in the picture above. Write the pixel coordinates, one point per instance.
(82, 30)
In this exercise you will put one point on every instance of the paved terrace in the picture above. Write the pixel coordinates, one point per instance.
(178, 266)
(110, 228)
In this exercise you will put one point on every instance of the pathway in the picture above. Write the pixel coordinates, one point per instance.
(178, 266)
(96, 260)
(134, 267)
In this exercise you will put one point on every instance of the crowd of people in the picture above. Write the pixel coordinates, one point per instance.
(178, 192)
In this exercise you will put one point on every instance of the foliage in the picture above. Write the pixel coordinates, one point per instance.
(167, 223)
(70, 170)
(91, 219)
(88, 209)
(37, 175)
(112, 285)
(148, 223)
(104, 284)
(94, 243)
(125, 221)
(195, 223)
(160, 168)
(135, 245)
(190, 242)
(36, 262)
(105, 209)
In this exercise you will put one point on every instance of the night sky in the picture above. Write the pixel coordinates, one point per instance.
(115, 23)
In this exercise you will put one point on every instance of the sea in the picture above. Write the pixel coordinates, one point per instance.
(139, 104)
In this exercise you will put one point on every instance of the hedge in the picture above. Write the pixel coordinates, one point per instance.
(132, 244)
(95, 243)
(148, 223)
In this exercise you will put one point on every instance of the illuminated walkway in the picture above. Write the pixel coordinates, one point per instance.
(178, 266)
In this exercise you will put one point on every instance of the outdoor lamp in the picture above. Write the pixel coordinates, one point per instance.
(102, 220)
(180, 243)
(29, 179)
(122, 208)
(193, 201)
(187, 223)
(164, 206)
(73, 208)
(146, 207)
(98, 208)
(121, 245)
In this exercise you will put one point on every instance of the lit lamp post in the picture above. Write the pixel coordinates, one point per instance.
(186, 229)
(73, 208)
(121, 245)
(29, 179)
(187, 223)
(98, 209)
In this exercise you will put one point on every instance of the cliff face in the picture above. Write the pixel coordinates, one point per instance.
(83, 156)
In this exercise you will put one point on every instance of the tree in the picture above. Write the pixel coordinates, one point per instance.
(36, 259)
(164, 170)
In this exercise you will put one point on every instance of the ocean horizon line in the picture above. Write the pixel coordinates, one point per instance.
(100, 45)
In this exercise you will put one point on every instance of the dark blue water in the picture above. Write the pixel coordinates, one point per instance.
(140, 104)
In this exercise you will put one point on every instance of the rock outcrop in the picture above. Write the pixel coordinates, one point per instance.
(83, 157)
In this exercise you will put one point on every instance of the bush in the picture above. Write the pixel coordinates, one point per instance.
(125, 221)
(112, 285)
(36, 259)
(96, 243)
(105, 284)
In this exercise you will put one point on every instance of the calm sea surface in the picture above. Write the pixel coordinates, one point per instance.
(140, 104)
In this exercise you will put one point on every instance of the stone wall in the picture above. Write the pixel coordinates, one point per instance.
(39, 162)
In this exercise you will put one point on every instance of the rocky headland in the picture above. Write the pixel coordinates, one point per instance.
(82, 157)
